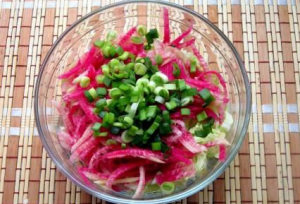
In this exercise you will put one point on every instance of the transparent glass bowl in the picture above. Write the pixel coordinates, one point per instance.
(77, 39)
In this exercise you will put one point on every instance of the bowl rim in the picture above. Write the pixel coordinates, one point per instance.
(173, 197)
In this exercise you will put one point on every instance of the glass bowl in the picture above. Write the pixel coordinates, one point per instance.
(77, 39)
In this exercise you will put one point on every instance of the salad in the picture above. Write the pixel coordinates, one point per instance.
(142, 114)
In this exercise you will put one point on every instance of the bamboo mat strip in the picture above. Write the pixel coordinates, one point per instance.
(267, 38)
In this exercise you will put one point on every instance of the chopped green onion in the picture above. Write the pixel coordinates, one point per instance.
(140, 69)
(193, 66)
(118, 124)
(142, 115)
(119, 50)
(115, 93)
(84, 81)
(99, 43)
(189, 92)
(151, 111)
(102, 113)
(181, 85)
(123, 101)
(163, 92)
(171, 105)
(187, 100)
(124, 56)
(156, 146)
(112, 51)
(111, 35)
(111, 142)
(159, 99)
(114, 130)
(100, 134)
(126, 138)
(133, 110)
(106, 81)
(167, 188)
(101, 91)
(105, 69)
(137, 39)
(142, 82)
(164, 77)
(123, 145)
(147, 47)
(101, 103)
(152, 128)
(166, 115)
(116, 84)
(99, 79)
(158, 59)
(106, 50)
(96, 126)
(165, 128)
(152, 34)
(152, 85)
(132, 130)
(109, 118)
(128, 121)
(185, 111)
(176, 70)
(158, 119)
(201, 116)
(206, 96)
(114, 63)
(141, 30)
(171, 87)
(125, 87)
(202, 133)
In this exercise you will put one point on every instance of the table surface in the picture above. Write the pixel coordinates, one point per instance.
(267, 168)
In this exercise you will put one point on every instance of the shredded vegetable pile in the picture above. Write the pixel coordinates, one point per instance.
(142, 114)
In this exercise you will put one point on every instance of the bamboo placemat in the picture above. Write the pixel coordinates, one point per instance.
(266, 34)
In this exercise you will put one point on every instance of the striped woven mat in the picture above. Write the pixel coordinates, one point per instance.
(266, 34)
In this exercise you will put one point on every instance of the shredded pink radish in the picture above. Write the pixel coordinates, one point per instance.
(186, 43)
(222, 154)
(134, 152)
(199, 56)
(175, 172)
(181, 37)
(65, 140)
(121, 170)
(85, 136)
(127, 36)
(166, 25)
(161, 147)
(141, 185)
(73, 71)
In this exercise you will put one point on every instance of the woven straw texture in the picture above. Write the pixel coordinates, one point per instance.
(267, 169)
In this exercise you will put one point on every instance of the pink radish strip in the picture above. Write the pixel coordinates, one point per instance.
(91, 142)
(119, 171)
(176, 156)
(140, 188)
(134, 152)
(71, 72)
(87, 109)
(98, 156)
(166, 25)
(86, 135)
(65, 140)
(200, 58)
(127, 36)
(186, 43)
(222, 81)
(222, 152)
(93, 174)
(179, 38)
(202, 84)
(175, 172)
(184, 74)
(68, 124)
